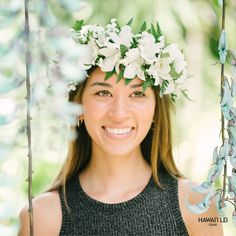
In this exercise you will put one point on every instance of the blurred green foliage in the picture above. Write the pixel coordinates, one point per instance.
(43, 174)
(195, 25)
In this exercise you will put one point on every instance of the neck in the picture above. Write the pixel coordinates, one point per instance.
(113, 174)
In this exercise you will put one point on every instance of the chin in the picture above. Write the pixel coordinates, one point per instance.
(120, 151)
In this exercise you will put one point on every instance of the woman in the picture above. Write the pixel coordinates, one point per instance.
(120, 177)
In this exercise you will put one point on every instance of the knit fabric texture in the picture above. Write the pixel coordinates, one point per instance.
(154, 211)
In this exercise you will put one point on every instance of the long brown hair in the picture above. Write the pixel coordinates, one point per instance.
(156, 146)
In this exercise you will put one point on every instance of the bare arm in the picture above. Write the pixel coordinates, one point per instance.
(195, 222)
(47, 216)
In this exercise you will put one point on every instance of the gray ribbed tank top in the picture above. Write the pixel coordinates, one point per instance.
(154, 211)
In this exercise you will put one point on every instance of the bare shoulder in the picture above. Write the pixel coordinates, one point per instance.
(47, 215)
(195, 222)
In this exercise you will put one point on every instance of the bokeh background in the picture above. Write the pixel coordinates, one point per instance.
(193, 24)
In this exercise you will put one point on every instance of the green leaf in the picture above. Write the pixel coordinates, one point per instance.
(143, 27)
(173, 72)
(118, 25)
(164, 85)
(153, 30)
(109, 74)
(134, 43)
(147, 83)
(159, 32)
(78, 25)
(154, 33)
(173, 97)
(123, 50)
(130, 22)
(120, 76)
(127, 81)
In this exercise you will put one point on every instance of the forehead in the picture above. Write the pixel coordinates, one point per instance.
(98, 76)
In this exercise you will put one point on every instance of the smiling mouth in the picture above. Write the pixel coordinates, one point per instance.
(116, 131)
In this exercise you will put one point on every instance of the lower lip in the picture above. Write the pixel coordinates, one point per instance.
(118, 136)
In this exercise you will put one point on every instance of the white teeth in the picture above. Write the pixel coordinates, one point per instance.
(118, 131)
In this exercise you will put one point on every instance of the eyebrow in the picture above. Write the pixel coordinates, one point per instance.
(136, 85)
(101, 84)
(110, 86)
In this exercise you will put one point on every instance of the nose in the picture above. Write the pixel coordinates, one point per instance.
(119, 108)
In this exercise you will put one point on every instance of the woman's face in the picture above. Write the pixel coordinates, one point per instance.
(117, 116)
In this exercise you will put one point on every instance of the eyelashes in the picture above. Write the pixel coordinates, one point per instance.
(138, 94)
(106, 93)
(103, 93)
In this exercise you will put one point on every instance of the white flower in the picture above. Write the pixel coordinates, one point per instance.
(99, 35)
(103, 46)
(124, 37)
(84, 32)
(75, 35)
(113, 20)
(173, 87)
(176, 57)
(88, 54)
(112, 28)
(71, 86)
(148, 47)
(112, 57)
(112, 50)
(133, 63)
(160, 70)
(101, 39)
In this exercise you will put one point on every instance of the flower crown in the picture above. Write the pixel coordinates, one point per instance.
(116, 49)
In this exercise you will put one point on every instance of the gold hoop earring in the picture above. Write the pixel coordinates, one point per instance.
(80, 120)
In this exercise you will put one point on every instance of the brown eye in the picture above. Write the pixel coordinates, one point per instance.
(103, 93)
(138, 94)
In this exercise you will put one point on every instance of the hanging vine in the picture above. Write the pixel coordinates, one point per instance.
(28, 117)
(226, 156)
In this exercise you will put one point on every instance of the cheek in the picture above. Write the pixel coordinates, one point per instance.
(93, 109)
(146, 111)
